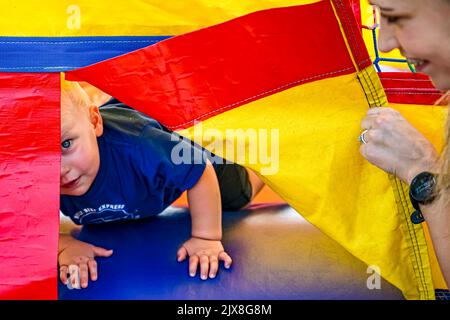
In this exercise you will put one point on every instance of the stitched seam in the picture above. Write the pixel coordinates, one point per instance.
(416, 93)
(364, 61)
(362, 85)
(358, 49)
(400, 193)
(366, 89)
(414, 89)
(16, 68)
(261, 94)
(341, 9)
(417, 244)
(422, 280)
(380, 102)
(371, 93)
(370, 88)
(77, 42)
(399, 79)
(399, 190)
(376, 97)
(396, 190)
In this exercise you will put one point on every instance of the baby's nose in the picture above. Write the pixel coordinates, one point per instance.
(64, 170)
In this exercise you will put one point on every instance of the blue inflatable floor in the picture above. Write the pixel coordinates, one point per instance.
(276, 255)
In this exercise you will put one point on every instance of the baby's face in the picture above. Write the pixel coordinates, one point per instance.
(80, 158)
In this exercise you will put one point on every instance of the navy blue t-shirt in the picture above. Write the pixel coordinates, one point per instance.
(137, 177)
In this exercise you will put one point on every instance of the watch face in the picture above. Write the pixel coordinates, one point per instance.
(422, 187)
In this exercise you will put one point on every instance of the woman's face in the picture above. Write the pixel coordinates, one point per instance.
(420, 29)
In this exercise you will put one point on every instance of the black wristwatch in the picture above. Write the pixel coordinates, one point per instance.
(421, 191)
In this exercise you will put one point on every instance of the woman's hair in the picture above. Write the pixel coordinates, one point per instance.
(444, 177)
(444, 166)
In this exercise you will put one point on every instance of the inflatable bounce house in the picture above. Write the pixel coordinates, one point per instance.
(301, 74)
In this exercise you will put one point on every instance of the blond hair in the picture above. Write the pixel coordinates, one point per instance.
(444, 177)
(74, 96)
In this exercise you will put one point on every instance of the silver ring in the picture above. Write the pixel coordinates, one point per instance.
(361, 137)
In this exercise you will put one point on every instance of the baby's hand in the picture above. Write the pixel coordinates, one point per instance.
(207, 253)
(81, 254)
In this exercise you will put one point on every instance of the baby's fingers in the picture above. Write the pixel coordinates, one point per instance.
(214, 266)
(193, 263)
(101, 252)
(92, 264)
(181, 254)
(204, 266)
(63, 274)
(84, 275)
(226, 259)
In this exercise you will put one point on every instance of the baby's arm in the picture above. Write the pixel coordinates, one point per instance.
(205, 246)
(74, 252)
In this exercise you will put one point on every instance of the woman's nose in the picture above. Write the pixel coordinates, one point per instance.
(387, 40)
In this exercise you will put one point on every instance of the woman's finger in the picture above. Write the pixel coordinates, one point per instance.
(367, 122)
(376, 110)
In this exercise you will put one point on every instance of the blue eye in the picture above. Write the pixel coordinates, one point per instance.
(66, 144)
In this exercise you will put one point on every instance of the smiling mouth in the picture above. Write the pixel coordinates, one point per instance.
(72, 184)
(419, 64)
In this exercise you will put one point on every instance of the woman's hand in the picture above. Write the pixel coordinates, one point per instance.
(395, 146)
